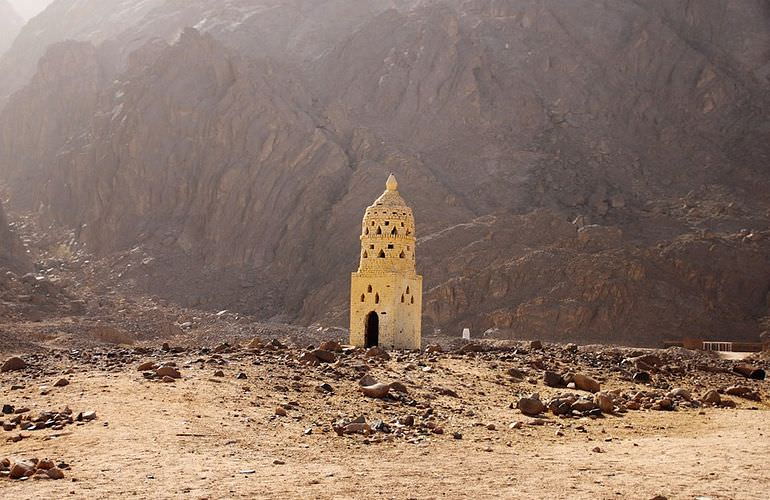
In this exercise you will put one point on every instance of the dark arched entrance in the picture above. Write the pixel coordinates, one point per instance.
(372, 330)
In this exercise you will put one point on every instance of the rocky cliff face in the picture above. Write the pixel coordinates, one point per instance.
(236, 158)
(12, 254)
(10, 25)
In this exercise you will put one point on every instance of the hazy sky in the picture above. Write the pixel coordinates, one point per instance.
(29, 8)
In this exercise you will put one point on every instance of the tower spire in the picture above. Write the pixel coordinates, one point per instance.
(392, 183)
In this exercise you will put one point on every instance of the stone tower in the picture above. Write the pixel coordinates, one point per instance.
(386, 292)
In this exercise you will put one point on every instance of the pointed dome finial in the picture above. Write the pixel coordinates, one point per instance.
(392, 183)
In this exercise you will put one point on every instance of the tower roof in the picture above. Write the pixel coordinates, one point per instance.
(390, 197)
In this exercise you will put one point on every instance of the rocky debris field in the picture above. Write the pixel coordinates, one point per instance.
(32, 468)
(287, 400)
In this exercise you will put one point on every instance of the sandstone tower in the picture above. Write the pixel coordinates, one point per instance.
(386, 292)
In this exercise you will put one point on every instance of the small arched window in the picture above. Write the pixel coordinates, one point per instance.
(394, 232)
(407, 290)
(381, 255)
(402, 224)
(379, 230)
(372, 223)
(363, 298)
(402, 255)
(366, 255)
(366, 231)
(387, 222)
(402, 298)
(369, 289)
(412, 300)
(377, 298)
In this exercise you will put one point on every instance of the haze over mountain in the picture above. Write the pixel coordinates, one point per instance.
(28, 9)
(578, 170)
(10, 25)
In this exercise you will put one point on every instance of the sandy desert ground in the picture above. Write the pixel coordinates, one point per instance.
(219, 435)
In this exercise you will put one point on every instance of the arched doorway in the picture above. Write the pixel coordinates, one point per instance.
(372, 330)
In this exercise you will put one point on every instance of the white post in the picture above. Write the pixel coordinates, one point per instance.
(466, 333)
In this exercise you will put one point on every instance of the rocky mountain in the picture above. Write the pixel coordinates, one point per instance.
(10, 25)
(578, 170)
(12, 254)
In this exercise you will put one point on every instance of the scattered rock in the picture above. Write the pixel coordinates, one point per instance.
(531, 406)
(377, 353)
(743, 392)
(376, 391)
(471, 347)
(604, 402)
(61, 382)
(398, 387)
(147, 366)
(553, 379)
(367, 380)
(586, 383)
(680, 393)
(168, 371)
(21, 469)
(331, 345)
(55, 473)
(13, 364)
(324, 356)
(255, 343)
(711, 398)
(750, 371)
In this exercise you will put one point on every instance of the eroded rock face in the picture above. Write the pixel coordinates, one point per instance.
(12, 254)
(237, 157)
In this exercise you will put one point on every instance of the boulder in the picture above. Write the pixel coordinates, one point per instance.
(398, 387)
(21, 469)
(168, 371)
(604, 402)
(680, 393)
(470, 347)
(55, 473)
(377, 353)
(586, 383)
(583, 405)
(308, 358)
(531, 406)
(749, 371)
(13, 364)
(743, 392)
(331, 345)
(711, 398)
(553, 379)
(324, 356)
(367, 380)
(378, 390)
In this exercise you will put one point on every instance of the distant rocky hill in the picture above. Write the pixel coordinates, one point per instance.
(577, 171)
(10, 25)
